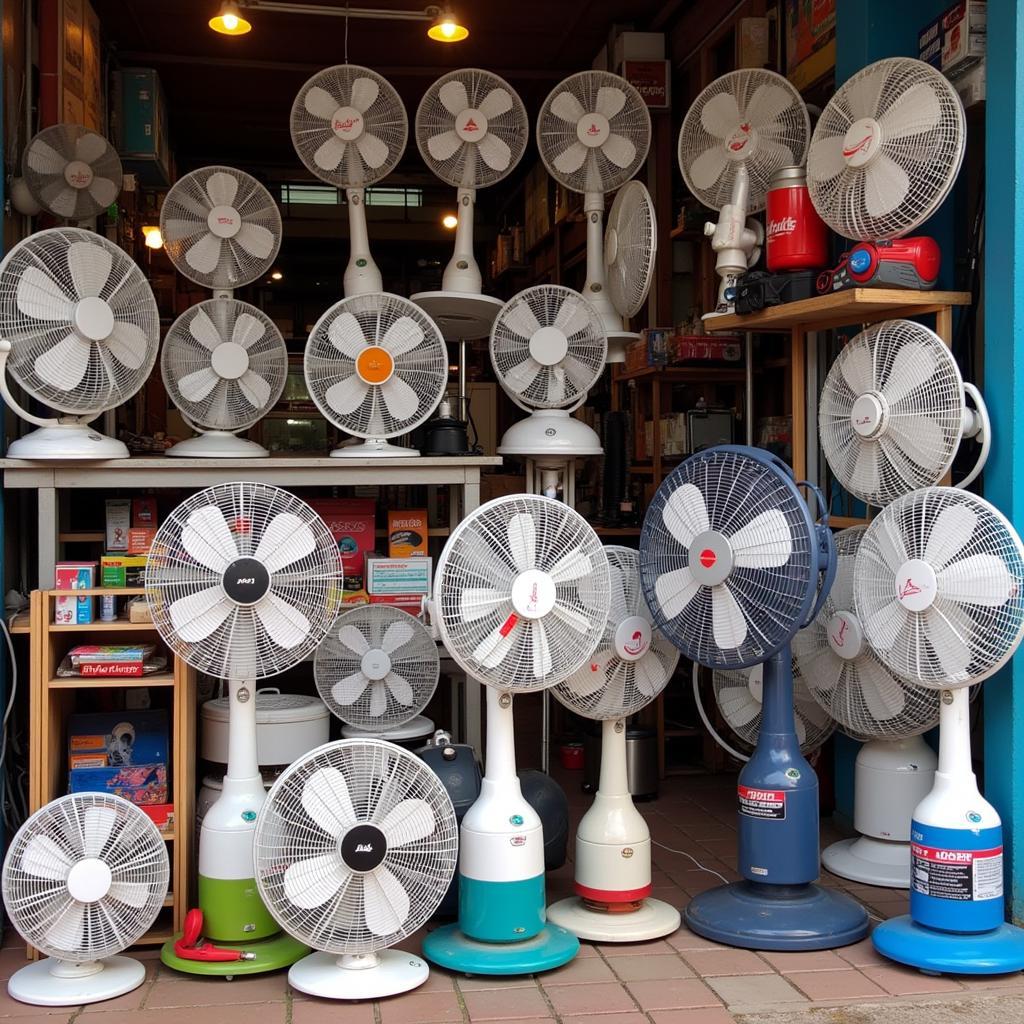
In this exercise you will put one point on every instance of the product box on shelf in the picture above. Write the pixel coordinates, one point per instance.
(122, 570)
(407, 533)
(139, 784)
(138, 610)
(140, 539)
(122, 737)
(701, 348)
(398, 575)
(74, 611)
(162, 815)
(352, 522)
(964, 31)
(144, 512)
(119, 521)
(411, 603)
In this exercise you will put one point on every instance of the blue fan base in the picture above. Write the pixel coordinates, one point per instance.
(1000, 951)
(785, 918)
(448, 947)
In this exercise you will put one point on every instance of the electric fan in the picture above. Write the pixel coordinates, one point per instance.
(521, 598)
(548, 348)
(84, 878)
(630, 246)
(243, 582)
(737, 133)
(939, 587)
(895, 768)
(893, 412)
(732, 564)
(79, 332)
(349, 128)
(631, 666)
(71, 171)
(377, 367)
(471, 130)
(376, 670)
(224, 365)
(593, 133)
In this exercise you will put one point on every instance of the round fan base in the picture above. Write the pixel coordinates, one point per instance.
(871, 861)
(550, 434)
(374, 448)
(460, 316)
(782, 918)
(322, 975)
(653, 920)
(418, 728)
(36, 983)
(67, 441)
(617, 343)
(999, 951)
(217, 444)
(549, 948)
(273, 954)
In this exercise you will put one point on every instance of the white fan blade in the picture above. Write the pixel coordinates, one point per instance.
(254, 388)
(373, 150)
(522, 541)
(865, 476)
(402, 336)
(773, 153)
(407, 822)
(90, 267)
(204, 255)
(571, 158)
(203, 330)
(571, 617)
(573, 565)
(556, 385)
(519, 318)
(494, 648)
(841, 594)
(476, 602)
(43, 858)
(310, 883)
(400, 688)
(60, 199)
(286, 539)
(767, 104)
(573, 316)
(883, 695)
(950, 533)
(826, 157)
(495, 103)
(708, 167)
(353, 639)
(453, 97)
(649, 674)
(398, 634)
(64, 365)
(68, 931)
(385, 902)
(949, 633)
(364, 94)
(686, 514)
(330, 153)
(799, 728)
(862, 95)
(284, 623)
(593, 676)
(255, 239)
(610, 100)
(207, 538)
(886, 185)
(914, 365)
(346, 335)
(826, 669)
(541, 650)
(883, 627)
(857, 367)
(619, 150)
(918, 437)
(567, 107)
(347, 395)
(720, 115)
(44, 159)
(222, 188)
(198, 616)
(326, 800)
(399, 397)
(97, 825)
(104, 191)
(618, 609)
(320, 103)
(175, 229)
(378, 698)
(348, 690)
(978, 579)
(194, 387)
(40, 297)
(522, 375)
(912, 113)
(675, 590)
(727, 620)
(247, 330)
(891, 546)
(738, 705)
(764, 543)
(128, 344)
(443, 145)
(494, 152)
(132, 894)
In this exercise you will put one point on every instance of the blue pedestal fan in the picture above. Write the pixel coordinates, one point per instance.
(732, 564)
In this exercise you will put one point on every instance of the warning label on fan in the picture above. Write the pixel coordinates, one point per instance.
(762, 803)
(958, 874)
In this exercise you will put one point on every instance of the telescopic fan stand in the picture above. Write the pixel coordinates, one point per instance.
(737, 239)
(595, 289)
(361, 274)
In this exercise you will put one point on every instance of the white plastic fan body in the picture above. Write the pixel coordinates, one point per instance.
(83, 879)
(741, 129)
(79, 332)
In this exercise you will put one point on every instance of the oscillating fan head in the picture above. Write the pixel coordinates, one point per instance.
(751, 118)
(548, 347)
(221, 227)
(349, 126)
(81, 318)
(224, 364)
(886, 150)
(243, 580)
(521, 592)
(891, 411)
(630, 245)
(377, 668)
(939, 585)
(72, 171)
(376, 365)
(633, 662)
(85, 877)
(471, 128)
(355, 846)
(593, 132)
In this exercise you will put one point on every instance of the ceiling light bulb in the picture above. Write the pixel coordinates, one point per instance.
(229, 20)
(153, 238)
(446, 27)
(276, 275)
(450, 221)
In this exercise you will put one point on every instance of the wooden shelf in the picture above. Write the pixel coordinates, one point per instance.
(91, 682)
(22, 623)
(842, 522)
(98, 592)
(87, 537)
(686, 374)
(117, 626)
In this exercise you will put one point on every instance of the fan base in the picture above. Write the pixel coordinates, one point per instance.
(273, 954)
(68, 441)
(323, 975)
(375, 449)
(617, 343)
(36, 983)
(550, 436)
(653, 920)
(218, 444)
(782, 918)
(551, 947)
(419, 728)
(871, 861)
(460, 316)
(999, 951)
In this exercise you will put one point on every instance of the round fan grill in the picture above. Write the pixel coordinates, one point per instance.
(630, 246)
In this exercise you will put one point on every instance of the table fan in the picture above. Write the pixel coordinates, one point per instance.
(939, 586)
(349, 127)
(593, 133)
(84, 878)
(79, 332)
(471, 130)
(895, 768)
(521, 597)
(355, 847)
(732, 564)
(893, 412)
(376, 671)
(243, 581)
(631, 666)
(376, 366)
(737, 133)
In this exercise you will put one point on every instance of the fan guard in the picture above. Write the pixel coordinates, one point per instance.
(630, 247)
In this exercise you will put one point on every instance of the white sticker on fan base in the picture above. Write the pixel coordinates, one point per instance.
(959, 875)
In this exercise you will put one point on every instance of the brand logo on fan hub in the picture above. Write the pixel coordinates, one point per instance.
(593, 129)
(840, 635)
(708, 558)
(375, 365)
(861, 141)
(914, 584)
(858, 147)
(246, 581)
(737, 142)
(363, 847)
(226, 220)
(632, 638)
(346, 124)
(908, 589)
(471, 126)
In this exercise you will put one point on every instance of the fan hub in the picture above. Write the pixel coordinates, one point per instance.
(375, 665)
(533, 594)
(363, 848)
(93, 318)
(347, 123)
(710, 558)
(869, 414)
(915, 585)
(845, 636)
(741, 142)
(224, 222)
(89, 880)
(548, 346)
(246, 581)
(593, 130)
(229, 360)
(611, 246)
(633, 638)
(471, 125)
(862, 141)
(78, 174)
(375, 365)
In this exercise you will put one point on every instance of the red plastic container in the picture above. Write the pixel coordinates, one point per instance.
(571, 756)
(796, 237)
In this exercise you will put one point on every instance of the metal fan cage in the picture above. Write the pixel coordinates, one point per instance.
(188, 560)
(325, 154)
(308, 811)
(629, 259)
(43, 281)
(208, 400)
(484, 160)
(518, 322)
(394, 699)
(923, 131)
(60, 835)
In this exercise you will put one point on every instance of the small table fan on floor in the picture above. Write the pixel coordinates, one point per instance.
(731, 562)
(471, 130)
(79, 332)
(593, 133)
(349, 128)
(521, 598)
(895, 767)
(630, 668)
(84, 878)
(243, 582)
(737, 133)
(939, 586)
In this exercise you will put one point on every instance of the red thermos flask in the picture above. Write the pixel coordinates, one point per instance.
(797, 238)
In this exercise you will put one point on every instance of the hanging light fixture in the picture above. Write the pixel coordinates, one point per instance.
(229, 20)
(152, 237)
(450, 221)
(447, 28)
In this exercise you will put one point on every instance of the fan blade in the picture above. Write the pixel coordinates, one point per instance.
(222, 188)
(401, 400)
(68, 931)
(202, 329)
(44, 159)
(884, 626)
(619, 150)
(915, 364)
(727, 620)
(400, 688)
(132, 894)
(176, 229)
(618, 610)
(286, 540)
(863, 94)
(919, 438)
(353, 639)
(571, 617)
(348, 690)
(408, 822)
(60, 199)
(453, 97)
(398, 634)
(949, 634)
(767, 104)
(686, 514)
(385, 902)
(675, 590)
(402, 336)
(522, 541)
(364, 94)
(255, 389)
(378, 698)
(556, 385)
(207, 538)
(865, 476)
(738, 705)
(284, 623)
(320, 103)
(64, 365)
(886, 185)
(520, 320)
(346, 335)
(476, 602)
(827, 669)
(194, 387)
(721, 115)
(347, 395)
(103, 191)
(310, 883)
(494, 152)
(541, 649)
(204, 255)
(128, 344)
(247, 330)
(522, 375)
(764, 543)
(950, 533)
(373, 150)
(841, 594)
(708, 167)
(255, 239)
(326, 800)
(610, 100)
(40, 297)
(826, 159)
(913, 112)
(497, 102)
(90, 267)
(43, 858)
(774, 154)
(329, 153)
(97, 826)
(891, 546)
(571, 158)
(858, 367)
(649, 674)
(443, 145)
(198, 616)
(567, 107)
(978, 579)
(883, 695)
(573, 565)
(800, 729)
(494, 648)
(573, 316)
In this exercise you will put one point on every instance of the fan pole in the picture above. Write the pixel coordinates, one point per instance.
(361, 275)
(595, 290)
(462, 273)
(734, 242)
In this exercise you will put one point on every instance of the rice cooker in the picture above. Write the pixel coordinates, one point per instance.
(411, 734)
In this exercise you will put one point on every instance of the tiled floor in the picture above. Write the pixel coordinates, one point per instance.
(681, 980)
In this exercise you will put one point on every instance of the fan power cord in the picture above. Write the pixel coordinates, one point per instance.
(689, 856)
(707, 721)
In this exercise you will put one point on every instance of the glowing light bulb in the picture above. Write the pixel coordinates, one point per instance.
(450, 221)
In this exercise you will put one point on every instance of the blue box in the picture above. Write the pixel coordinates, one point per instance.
(929, 43)
(139, 783)
(120, 738)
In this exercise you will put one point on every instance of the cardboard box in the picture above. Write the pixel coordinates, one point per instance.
(138, 610)
(407, 533)
(964, 29)
(123, 737)
(144, 512)
(162, 815)
(411, 603)
(638, 46)
(119, 514)
(398, 575)
(352, 523)
(74, 611)
(140, 539)
(139, 784)
(90, 760)
(122, 570)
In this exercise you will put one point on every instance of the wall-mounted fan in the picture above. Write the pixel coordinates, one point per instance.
(349, 128)
(79, 332)
(471, 130)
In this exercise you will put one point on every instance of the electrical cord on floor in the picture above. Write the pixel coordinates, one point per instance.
(13, 661)
(689, 856)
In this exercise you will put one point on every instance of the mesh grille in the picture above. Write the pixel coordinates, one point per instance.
(629, 259)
